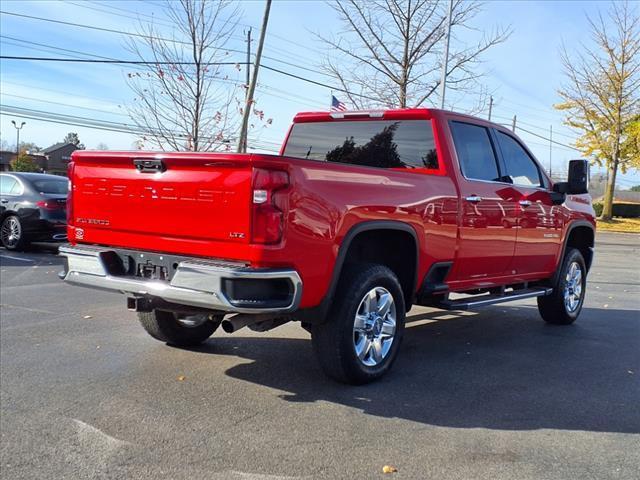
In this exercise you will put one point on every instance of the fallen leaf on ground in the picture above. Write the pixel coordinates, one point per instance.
(87, 316)
(181, 378)
(389, 469)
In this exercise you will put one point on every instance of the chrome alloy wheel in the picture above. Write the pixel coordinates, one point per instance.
(374, 326)
(573, 287)
(11, 232)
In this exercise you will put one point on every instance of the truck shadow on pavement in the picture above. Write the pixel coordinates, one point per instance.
(497, 369)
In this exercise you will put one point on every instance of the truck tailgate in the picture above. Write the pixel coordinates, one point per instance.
(177, 196)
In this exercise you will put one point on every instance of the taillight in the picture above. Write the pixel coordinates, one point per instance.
(267, 208)
(70, 195)
(50, 205)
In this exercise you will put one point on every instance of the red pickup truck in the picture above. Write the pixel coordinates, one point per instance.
(362, 215)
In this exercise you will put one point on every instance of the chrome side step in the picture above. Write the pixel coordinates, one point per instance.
(481, 301)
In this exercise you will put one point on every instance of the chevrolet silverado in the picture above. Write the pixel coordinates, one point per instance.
(362, 215)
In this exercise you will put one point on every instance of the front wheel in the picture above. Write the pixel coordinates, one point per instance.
(179, 330)
(361, 337)
(564, 304)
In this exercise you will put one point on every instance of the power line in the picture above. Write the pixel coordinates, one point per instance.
(282, 72)
(332, 87)
(548, 139)
(152, 17)
(169, 40)
(541, 136)
(152, 37)
(537, 127)
(263, 89)
(170, 25)
(63, 104)
(78, 121)
(144, 62)
(85, 122)
(93, 27)
(124, 62)
(138, 62)
(27, 47)
(51, 47)
(105, 100)
(96, 9)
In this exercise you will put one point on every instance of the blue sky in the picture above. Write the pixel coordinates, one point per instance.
(523, 73)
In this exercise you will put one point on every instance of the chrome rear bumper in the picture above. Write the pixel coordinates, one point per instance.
(196, 282)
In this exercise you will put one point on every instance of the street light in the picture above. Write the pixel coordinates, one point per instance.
(18, 128)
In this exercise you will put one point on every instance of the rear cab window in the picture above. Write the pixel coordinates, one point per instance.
(406, 144)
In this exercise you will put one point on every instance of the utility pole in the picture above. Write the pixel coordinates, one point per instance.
(490, 106)
(445, 64)
(248, 77)
(513, 125)
(18, 128)
(242, 141)
(550, 148)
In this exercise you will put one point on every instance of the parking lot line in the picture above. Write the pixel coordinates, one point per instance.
(18, 258)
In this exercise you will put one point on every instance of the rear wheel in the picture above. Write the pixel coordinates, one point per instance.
(12, 234)
(179, 330)
(564, 304)
(360, 340)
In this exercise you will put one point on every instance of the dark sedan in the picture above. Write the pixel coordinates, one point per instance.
(32, 209)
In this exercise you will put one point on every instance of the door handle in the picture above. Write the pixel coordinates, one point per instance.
(525, 203)
(4, 200)
(473, 199)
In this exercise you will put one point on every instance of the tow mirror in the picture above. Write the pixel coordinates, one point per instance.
(578, 179)
(577, 183)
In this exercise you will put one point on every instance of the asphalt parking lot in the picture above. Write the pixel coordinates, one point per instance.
(494, 394)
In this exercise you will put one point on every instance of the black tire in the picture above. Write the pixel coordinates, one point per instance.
(12, 223)
(553, 308)
(334, 341)
(166, 327)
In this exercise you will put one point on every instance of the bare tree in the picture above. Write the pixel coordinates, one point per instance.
(184, 98)
(390, 52)
(602, 94)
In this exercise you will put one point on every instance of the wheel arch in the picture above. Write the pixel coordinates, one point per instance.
(5, 214)
(580, 235)
(379, 231)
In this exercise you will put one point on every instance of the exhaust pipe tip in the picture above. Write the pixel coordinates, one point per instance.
(240, 320)
(227, 326)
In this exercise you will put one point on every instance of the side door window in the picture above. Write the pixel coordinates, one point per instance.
(475, 152)
(519, 166)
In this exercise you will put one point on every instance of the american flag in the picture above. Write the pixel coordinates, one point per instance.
(337, 105)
